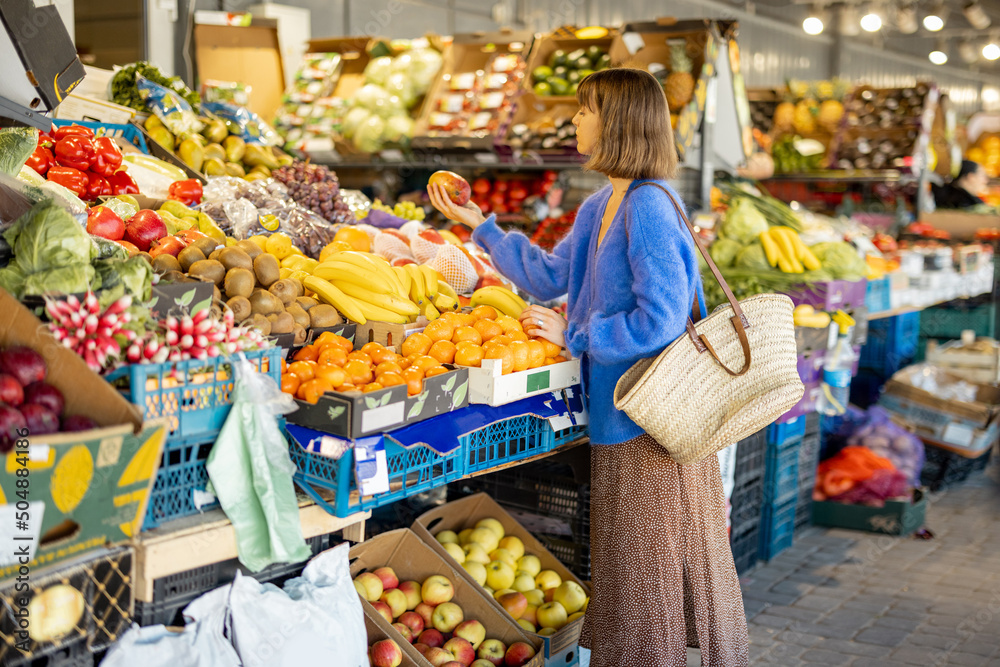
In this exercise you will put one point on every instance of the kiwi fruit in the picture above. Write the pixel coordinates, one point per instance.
(249, 247)
(163, 263)
(300, 316)
(260, 322)
(306, 302)
(281, 324)
(300, 335)
(172, 277)
(216, 294)
(146, 256)
(215, 253)
(286, 289)
(265, 303)
(240, 306)
(209, 269)
(206, 245)
(235, 258)
(239, 282)
(266, 268)
(189, 256)
(324, 315)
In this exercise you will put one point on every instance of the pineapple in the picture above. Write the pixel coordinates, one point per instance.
(784, 116)
(679, 86)
(830, 113)
(803, 120)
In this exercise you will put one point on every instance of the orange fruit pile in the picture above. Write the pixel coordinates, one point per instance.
(332, 364)
(465, 339)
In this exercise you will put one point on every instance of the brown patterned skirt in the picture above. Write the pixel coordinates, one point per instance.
(662, 571)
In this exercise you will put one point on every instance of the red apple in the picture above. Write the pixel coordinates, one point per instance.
(383, 609)
(143, 228)
(485, 663)
(493, 651)
(386, 653)
(481, 186)
(103, 222)
(398, 234)
(11, 391)
(412, 620)
(388, 577)
(456, 187)
(472, 631)
(519, 654)
(461, 649)
(168, 245)
(44, 395)
(11, 421)
(23, 363)
(454, 663)
(405, 631)
(74, 423)
(514, 604)
(411, 589)
(421, 648)
(396, 601)
(368, 586)
(432, 638)
(426, 611)
(438, 657)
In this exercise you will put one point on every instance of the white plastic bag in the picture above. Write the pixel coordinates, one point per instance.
(202, 643)
(318, 619)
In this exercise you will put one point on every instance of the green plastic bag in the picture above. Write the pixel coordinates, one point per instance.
(251, 473)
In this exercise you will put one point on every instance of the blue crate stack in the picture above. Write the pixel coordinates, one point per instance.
(746, 500)
(781, 486)
(808, 460)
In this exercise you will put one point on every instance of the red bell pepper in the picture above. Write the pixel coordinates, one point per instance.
(41, 160)
(97, 186)
(107, 156)
(187, 192)
(72, 130)
(45, 140)
(122, 184)
(73, 180)
(75, 151)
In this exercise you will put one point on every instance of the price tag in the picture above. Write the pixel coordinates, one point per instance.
(370, 468)
(633, 41)
(958, 434)
(392, 155)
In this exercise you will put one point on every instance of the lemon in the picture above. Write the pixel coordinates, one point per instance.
(71, 478)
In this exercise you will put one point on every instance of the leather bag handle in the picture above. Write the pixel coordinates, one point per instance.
(739, 319)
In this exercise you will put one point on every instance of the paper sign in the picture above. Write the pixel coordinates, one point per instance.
(633, 42)
(370, 467)
(12, 539)
(377, 419)
(958, 434)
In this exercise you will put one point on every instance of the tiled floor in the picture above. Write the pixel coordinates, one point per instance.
(841, 597)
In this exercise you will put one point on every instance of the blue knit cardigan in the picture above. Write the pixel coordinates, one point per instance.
(628, 298)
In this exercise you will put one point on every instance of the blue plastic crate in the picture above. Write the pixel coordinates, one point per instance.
(777, 529)
(782, 433)
(891, 344)
(877, 295)
(411, 470)
(506, 441)
(129, 133)
(948, 322)
(568, 435)
(182, 472)
(781, 476)
(193, 395)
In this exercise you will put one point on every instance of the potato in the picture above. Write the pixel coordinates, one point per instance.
(235, 258)
(287, 290)
(324, 315)
(163, 263)
(300, 316)
(265, 303)
(300, 335)
(249, 247)
(306, 302)
(208, 269)
(266, 268)
(239, 282)
(189, 256)
(261, 322)
(281, 324)
(240, 306)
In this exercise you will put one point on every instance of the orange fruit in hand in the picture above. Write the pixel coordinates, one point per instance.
(487, 328)
(443, 351)
(372, 386)
(311, 390)
(522, 355)
(335, 375)
(439, 330)
(469, 334)
(308, 353)
(469, 354)
(536, 354)
(484, 313)
(417, 343)
(423, 363)
(390, 379)
(328, 337)
(290, 383)
(436, 370)
(388, 367)
(305, 370)
(332, 355)
(551, 349)
(508, 323)
(358, 372)
(414, 381)
(503, 353)
(354, 237)
(518, 335)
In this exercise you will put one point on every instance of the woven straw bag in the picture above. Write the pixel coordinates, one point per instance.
(689, 398)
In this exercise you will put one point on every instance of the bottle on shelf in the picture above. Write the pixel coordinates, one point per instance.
(837, 371)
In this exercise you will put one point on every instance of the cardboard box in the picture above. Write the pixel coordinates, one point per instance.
(981, 366)
(388, 334)
(561, 39)
(86, 489)
(413, 560)
(75, 107)
(378, 629)
(961, 225)
(488, 384)
(895, 518)
(460, 514)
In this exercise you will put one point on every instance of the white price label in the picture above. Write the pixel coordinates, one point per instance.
(19, 530)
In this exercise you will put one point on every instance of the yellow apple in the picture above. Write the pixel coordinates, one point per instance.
(547, 632)
(535, 597)
(523, 582)
(489, 591)
(492, 524)
(585, 605)
(477, 570)
(446, 536)
(529, 564)
(571, 596)
(499, 575)
(552, 615)
(455, 551)
(436, 590)
(547, 579)
(530, 614)
(513, 544)
(573, 617)
(505, 556)
(502, 591)
(475, 553)
(463, 537)
(526, 625)
(486, 538)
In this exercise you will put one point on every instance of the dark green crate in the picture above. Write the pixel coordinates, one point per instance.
(896, 518)
(949, 323)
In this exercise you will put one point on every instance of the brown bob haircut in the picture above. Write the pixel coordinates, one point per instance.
(636, 140)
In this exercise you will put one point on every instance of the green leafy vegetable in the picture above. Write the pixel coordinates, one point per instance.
(134, 274)
(124, 90)
(724, 252)
(743, 222)
(12, 279)
(16, 146)
(752, 257)
(105, 249)
(47, 237)
(71, 279)
(840, 260)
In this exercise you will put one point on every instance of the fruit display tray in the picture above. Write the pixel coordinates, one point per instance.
(488, 384)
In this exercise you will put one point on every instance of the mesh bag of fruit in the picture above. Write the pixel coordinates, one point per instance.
(424, 250)
(455, 267)
(391, 247)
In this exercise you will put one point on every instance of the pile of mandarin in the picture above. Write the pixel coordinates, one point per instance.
(332, 364)
(465, 339)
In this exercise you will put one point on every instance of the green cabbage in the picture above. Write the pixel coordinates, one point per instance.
(105, 249)
(134, 274)
(752, 257)
(840, 260)
(743, 223)
(70, 279)
(16, 146)
(378, 69)
(47, 237)
(724, 252)
(12, 279)
(368, 136)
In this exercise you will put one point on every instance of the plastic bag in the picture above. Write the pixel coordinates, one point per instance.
(175, 112)
(317, 617)
(251, 473)
(891, 441)
(202, 643)
(839, 474)
(244, 123)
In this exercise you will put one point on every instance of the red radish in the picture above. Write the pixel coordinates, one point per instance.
(74, 423)
(143, 228)
(103, 222)
(456, 187)
(40, 420)
(23, 363)
(11, 421)
(45, 395)
(11, 391)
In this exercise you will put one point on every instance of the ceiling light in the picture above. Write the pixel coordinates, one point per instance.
(815, 22)
(937, 56)
(871, 22)
(991, 51)
(906, 19)
(967, 52)
(975, 15)
(934, 20)
(849, 20)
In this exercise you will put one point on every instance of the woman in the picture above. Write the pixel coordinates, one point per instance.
(662, 570)
(965, 189)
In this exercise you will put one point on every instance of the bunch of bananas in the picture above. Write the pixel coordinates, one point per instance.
(364, 286)
(500, 298)
(786, 251)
